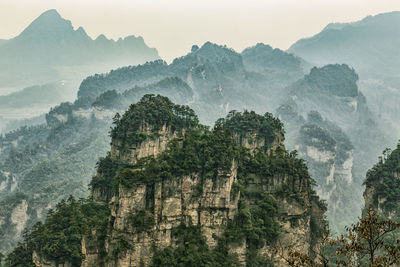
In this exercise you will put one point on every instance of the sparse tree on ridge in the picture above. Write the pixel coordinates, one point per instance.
(371, 242)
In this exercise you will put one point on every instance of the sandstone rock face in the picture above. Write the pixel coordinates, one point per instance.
(19, 216)
(40, 262)
(192, 200)
(211, 209)
(130, 154)
(377, 202)
(9, 184)
(252, 141)
(319, 155)
(368, 196)
(339, 169)
(332, 168)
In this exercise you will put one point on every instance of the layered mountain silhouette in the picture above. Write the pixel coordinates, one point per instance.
(264, 59)
(221, 78)
(50, 49)
(328, 120)
(370, 45)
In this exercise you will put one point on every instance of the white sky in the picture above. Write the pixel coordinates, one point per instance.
(173, 26)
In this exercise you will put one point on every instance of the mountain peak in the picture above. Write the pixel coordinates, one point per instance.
(51, 13)
(49, 17)
(49, 22)
(338, 79)
(213, 51)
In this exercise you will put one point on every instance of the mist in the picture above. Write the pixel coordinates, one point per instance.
(275, 112)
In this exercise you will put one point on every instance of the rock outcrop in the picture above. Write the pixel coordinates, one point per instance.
(332, 160)
(382, 185)
(179, 192)
(144, 215)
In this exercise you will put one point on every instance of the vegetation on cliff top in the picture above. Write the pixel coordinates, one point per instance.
(266, 127)
(207, 153)
(154, 112)
(59, 238)
(383, 178)
(203, 153)
(339, 80)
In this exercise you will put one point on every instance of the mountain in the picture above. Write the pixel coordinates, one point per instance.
(330, 83)
(264, 59)
(331, 90)
(52, 93)
(50, 49)
(11, 125)
(43, 164)
(172, 193)
(188, 80)
(332, 161)
(210, 79)
(328, 120)
(371, 47)
(23, 107)
(368, 45)
(217, 75)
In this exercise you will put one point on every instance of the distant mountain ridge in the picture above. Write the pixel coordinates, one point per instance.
(328, 121)
(51, 31)
(369, 45)
(264, 58)
(217, 75)
(49, 47)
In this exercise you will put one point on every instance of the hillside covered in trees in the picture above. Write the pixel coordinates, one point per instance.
(382, 184)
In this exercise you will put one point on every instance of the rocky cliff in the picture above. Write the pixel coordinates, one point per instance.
(151, 203)
(172, 192)
(330, 157)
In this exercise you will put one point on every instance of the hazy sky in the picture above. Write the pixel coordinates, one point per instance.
(173, 26)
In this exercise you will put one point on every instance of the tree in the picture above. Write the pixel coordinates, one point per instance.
(296, 258)
(369, 243)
